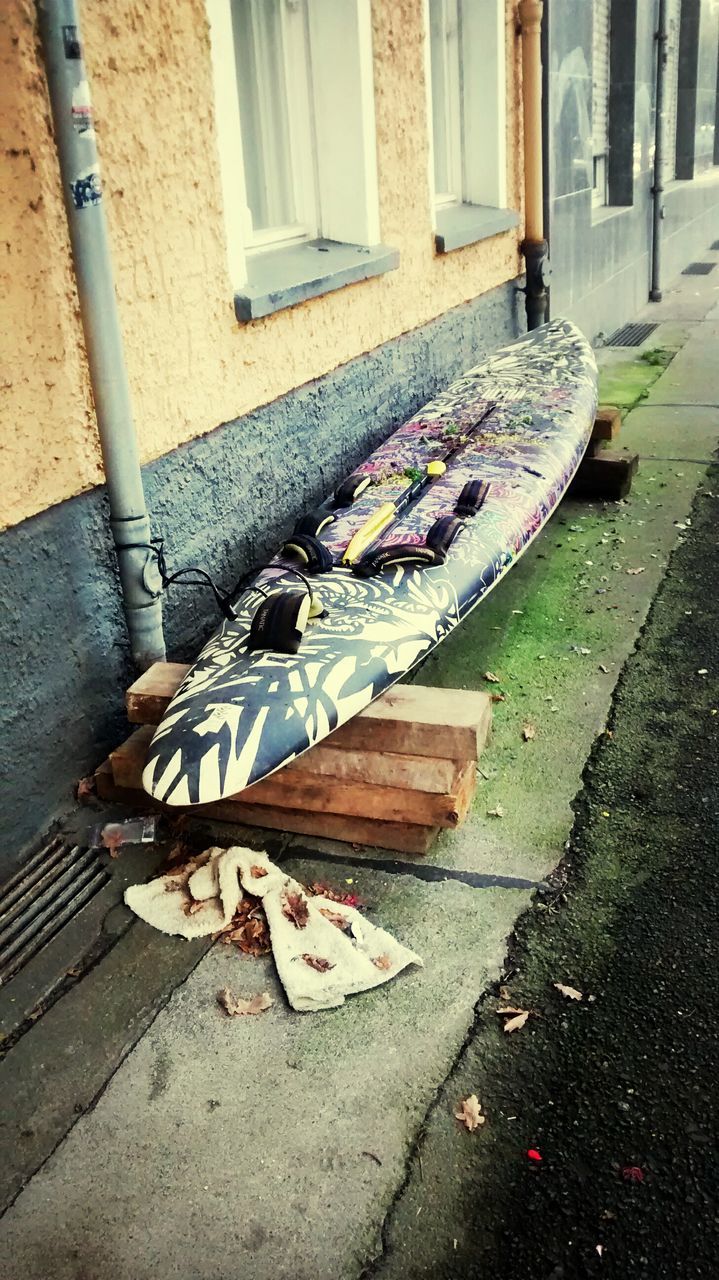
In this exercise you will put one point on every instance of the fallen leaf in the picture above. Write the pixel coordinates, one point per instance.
(496, 812)
(497, 697)
(248, 929)
(382, 962)
(504, 993)
(237, 1005)
(508, 1009)
(336, 895)
(192, 906)
(599, 1248)
(491, 677)
(534, 1155)
(604, 669)
(317, 962)
(515, 1024)
(570, 992)
(335, 918)
(470, 1113)
(528, 732)
(85, 789)
(641, 569)
(294, 908)
(258, 872)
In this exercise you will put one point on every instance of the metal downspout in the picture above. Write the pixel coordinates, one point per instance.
(534, 246)
(79, 171)
(660, 141)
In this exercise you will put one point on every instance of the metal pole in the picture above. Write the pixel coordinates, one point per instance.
(534, 246)
(660, 141)
(80, 175)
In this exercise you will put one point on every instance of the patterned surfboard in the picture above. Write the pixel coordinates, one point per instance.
(240, 714)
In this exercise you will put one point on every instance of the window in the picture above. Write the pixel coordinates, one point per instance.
(601, 42)
(274, 86)
(465, 67)
(294, 108)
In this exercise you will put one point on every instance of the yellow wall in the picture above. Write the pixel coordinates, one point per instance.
(191, 365)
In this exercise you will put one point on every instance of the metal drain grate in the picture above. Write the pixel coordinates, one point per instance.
(631, 335)
(698, 269)
(43, 895)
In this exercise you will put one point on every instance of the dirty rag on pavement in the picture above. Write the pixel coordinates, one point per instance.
(323, 950)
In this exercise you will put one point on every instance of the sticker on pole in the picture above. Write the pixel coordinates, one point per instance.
(86, 189)
(71, 42)
(82, 120)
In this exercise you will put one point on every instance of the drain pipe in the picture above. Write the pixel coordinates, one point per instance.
(534, 246)
(80, 175)
(660, 144)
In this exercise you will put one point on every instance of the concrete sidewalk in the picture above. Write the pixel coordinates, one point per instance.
(196, 1146)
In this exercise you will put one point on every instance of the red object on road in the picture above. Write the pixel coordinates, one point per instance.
(632, 1173)
(534, 1154)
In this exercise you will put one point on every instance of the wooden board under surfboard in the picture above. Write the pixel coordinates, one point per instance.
(522, 421)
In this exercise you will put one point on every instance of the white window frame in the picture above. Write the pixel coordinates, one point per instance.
(339, 164)
(481, 81)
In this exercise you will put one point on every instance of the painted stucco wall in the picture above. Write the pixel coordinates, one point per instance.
(191, 365)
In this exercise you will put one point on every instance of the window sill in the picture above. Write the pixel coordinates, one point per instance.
(462, 224)
(603, 212)
(283, 277)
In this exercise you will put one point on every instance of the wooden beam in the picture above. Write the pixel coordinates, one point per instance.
(408, 719)
(402, 837)
(295, 788)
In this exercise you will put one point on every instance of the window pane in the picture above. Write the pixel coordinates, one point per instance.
(446, 82)
(264, 115)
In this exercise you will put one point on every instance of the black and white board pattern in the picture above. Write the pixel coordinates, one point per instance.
(239, 715)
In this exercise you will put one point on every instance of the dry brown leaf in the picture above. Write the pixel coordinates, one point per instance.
(496, 812)
(237, 1005)
(470, 1113)
(86, 789)
(570, 992)
(515, 1024)
(248, 928)
(336, 895)
(258, 872)
(192, 906)
(504, 993)
(528, 732)
(491, 677)
(335, 918)
(497, 697)
(382, 962)
(317, 962)
(508, 1009)
(294, 908)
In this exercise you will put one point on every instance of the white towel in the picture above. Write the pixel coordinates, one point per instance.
(320, 957)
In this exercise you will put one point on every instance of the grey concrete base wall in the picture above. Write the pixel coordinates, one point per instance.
(223, 502)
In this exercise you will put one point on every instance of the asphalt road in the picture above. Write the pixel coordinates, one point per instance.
(619, 1092)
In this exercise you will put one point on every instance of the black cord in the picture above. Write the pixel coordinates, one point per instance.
(223, 598)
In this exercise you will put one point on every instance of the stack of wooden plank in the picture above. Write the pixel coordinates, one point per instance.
(402, 769)
(604, 473)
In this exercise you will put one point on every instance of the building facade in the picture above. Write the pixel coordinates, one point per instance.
(315, 213)
(600, 69)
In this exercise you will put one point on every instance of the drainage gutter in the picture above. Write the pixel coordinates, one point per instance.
(660, 143)
(80, 175)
